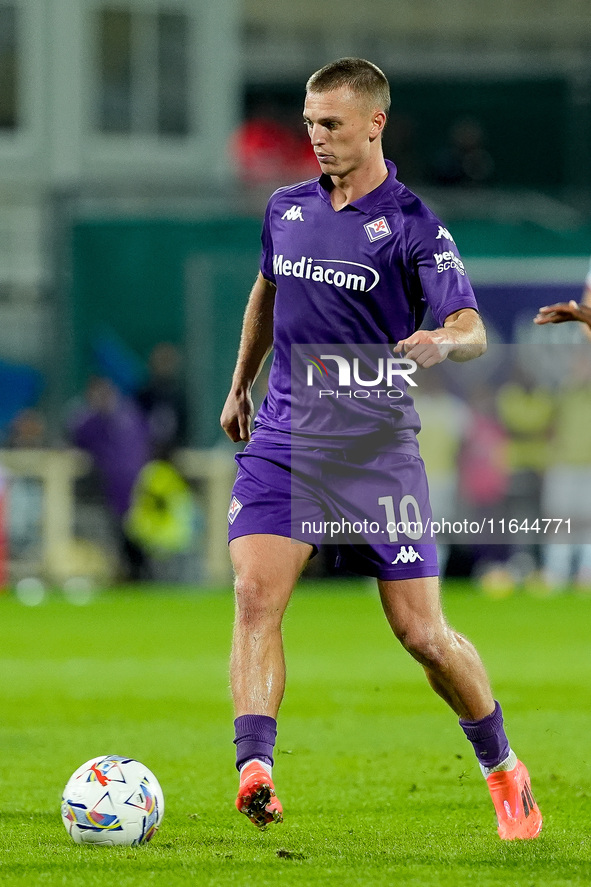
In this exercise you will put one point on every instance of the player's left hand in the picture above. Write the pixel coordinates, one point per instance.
(426, 347)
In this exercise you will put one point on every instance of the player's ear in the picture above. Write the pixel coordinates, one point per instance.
(378, 122)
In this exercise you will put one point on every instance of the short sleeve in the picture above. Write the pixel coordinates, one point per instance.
(266, 264)
(436, 261)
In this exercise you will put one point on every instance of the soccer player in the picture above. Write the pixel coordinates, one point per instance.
(350, 258)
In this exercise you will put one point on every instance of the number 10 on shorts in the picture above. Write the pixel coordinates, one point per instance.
(404, 524)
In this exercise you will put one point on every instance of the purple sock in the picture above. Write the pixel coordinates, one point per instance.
(255, 738)
(488, 737)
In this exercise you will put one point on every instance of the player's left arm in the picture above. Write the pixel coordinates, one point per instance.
(462, 337)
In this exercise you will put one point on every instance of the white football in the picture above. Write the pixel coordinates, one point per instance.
(112, 800)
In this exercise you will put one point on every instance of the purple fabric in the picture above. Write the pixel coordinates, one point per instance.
(364, 275)
(118, 441)
(488, 737)
(254, 738)
(285, 492)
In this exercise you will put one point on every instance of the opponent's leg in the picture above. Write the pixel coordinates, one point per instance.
(455, 671)
(267, 568)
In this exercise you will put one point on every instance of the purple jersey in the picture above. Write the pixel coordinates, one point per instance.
(364, 275)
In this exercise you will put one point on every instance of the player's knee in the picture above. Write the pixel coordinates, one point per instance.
(256, 603)
(424, 644)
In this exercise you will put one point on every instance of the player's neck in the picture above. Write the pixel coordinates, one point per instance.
(357, 183)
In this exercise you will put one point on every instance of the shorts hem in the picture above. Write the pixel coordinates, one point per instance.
(274, 532)
(393, 575)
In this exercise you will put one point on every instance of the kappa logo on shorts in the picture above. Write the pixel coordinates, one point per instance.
(378, 229)
(234, 509)
(407, 555)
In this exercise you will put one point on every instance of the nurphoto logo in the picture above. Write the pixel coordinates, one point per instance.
(349, 372)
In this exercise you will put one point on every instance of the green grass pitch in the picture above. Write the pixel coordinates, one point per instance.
(378, 783)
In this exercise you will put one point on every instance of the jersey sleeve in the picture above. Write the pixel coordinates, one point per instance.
(436, 262)
(266, 264)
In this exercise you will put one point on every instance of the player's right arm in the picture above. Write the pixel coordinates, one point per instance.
(256, 342)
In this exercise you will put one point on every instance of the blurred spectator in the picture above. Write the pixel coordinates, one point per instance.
(270, 146)
(165, 519)
(114, 359)
(527, 413)
(163, 402)
(161, 518)
(21, 387)
(483, 480)
(27, 431)
(567, 486)
(115, 432)
(444, 420)
(464, 160)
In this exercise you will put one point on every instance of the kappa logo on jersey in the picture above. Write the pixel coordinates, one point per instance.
(378, 229)
(234, 509)
(293, 214)
(447, 261)
(337, 272)
(444, 234)
(407, 555)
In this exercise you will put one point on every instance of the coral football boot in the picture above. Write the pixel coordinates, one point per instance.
(256, 796)
(518, 815)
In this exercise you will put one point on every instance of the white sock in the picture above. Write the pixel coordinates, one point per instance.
(508, 764)
(264, 765)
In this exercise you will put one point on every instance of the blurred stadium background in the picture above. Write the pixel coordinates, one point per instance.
(139, 140)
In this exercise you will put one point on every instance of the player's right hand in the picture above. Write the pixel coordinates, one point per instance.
(237, 415)
(564, 311)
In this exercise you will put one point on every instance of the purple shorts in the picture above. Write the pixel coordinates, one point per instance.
(375, 510)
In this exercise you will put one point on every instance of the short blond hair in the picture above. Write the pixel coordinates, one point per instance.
(363, 78)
